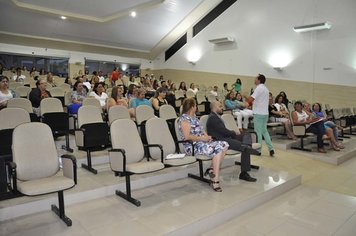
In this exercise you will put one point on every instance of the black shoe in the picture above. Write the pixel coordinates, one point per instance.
(245, 176)
(250, 150)
(271, 153)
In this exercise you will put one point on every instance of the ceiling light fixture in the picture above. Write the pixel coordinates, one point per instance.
(63, 17)
(133, 14)
(312, 27)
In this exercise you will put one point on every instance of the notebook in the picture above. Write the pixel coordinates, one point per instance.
(175, 156)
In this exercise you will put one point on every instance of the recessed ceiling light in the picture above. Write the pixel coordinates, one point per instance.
(63, 17)
(133, 14)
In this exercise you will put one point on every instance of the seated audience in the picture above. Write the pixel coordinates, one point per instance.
(18, 77)
(37, 94)
(214, 91)
(159, 100)
(140, 100)
(240, 142)
(313, 124)
(78, 95)
(239, 110)
(331, 128)
(131, 92)
(50, 79)
(190, 129)
(99, 93)
(182, 86)
(279, 113)
(193, 88)
(117, 98)
(285, 100)
(5, 93)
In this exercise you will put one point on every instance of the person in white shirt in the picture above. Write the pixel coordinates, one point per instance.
(193, 88)
(18, 77)
(260, 100)
(99, 94)
(214, 91)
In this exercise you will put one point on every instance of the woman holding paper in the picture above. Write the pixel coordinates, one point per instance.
(313, 124)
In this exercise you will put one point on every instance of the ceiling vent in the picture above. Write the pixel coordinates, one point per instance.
(312, 27)
(223, 40)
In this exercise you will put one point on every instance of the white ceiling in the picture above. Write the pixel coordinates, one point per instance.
(104, 23)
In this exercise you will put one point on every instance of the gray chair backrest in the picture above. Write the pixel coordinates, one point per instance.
(65, 87)
(57, 92)
(89, 114)
(144, 113)
(22, 91)
(91, 101)
(203, 121)
(179, 94)
(167, 112)
(176, 126)
(35, 157)
(230, 122)
(190, 94)
(20, 103)
(157, 132)
(11, 117)
(118, 112)
(124, 134)
(49, 105)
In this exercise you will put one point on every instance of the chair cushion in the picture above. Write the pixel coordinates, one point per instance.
(180, 161)
(256, 145)
(144, 167)
(202, 158)
(45, 185)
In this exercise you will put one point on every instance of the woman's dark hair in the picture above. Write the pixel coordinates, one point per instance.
(261, 78)
(187, 104)
(96, 86)
(227, 97)
(277, 98)
(114, 92)
(298, 103)
(237, 98)
(160, 90)
(238, 81)
(284, 95)
(2, 77)
(75, 86)
(131, 88)
(318, 104)
(182, 87)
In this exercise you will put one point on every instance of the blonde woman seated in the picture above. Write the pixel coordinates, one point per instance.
(190, 129)
(117, 98)
(239, 109)
(281, 114)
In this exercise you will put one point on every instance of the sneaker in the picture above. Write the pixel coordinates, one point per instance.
(271, 153)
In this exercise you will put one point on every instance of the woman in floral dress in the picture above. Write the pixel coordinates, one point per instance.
(190, 129)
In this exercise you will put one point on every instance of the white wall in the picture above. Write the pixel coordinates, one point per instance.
(263, 29)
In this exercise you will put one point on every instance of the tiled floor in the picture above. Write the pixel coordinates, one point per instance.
(317, 207)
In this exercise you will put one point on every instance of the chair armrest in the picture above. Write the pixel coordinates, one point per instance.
(299, 130)
(11, 168)
(117, 158)
(69, 166)
(186, 141)
(154, 145)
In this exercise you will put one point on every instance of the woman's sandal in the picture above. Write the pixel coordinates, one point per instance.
(209, 172)
(216, 189)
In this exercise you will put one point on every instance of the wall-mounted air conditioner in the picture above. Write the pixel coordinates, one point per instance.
(223, 40)
(312, 27)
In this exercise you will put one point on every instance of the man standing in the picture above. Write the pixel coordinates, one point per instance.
(242, 143)
(260, 100)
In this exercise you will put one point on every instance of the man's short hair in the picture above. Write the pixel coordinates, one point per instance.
(261, 78)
